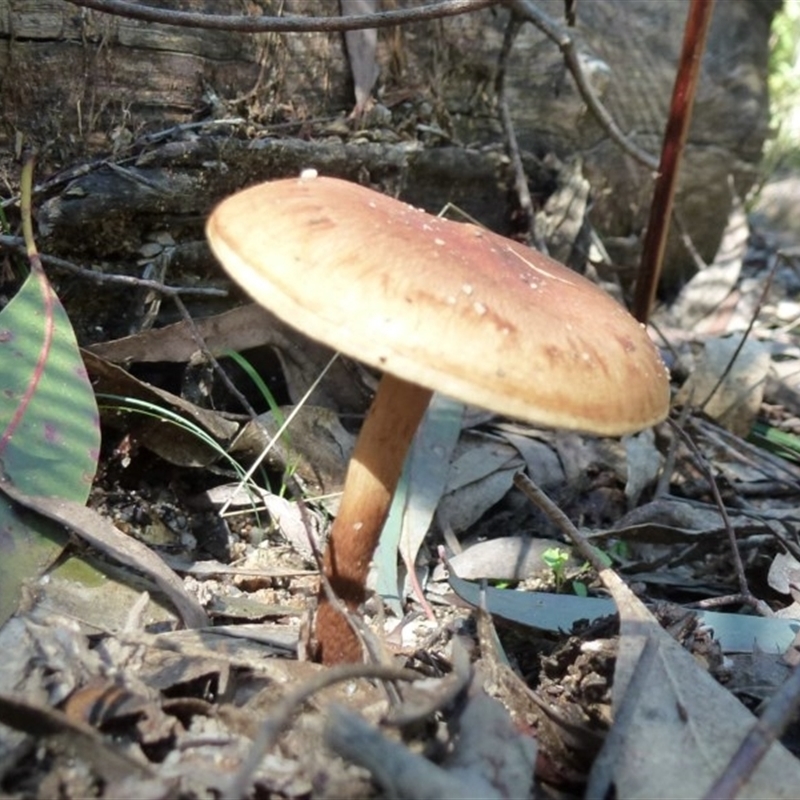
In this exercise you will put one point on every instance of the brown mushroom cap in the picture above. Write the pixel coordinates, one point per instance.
(445, 305)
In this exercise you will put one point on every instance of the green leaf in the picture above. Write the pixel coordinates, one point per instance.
(774, 440)
(49, 429)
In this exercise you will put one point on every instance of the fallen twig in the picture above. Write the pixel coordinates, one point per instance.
(528, 11)
(779, 713)
(288, 24)
(284, 710)
(520, 178)
(18, 243)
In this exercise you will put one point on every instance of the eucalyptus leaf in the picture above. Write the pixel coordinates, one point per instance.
(49, 429)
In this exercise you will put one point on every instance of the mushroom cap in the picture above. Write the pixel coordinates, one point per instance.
(446, 305)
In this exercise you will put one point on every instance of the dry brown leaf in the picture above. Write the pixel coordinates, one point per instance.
(244, 328)
(362, 47)
(728, 385)
(675, 728)
(97, 531)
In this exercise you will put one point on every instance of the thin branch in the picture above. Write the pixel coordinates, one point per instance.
(562, 522)
(765, 731)
(287, 24)
(745, 336)
(530, 13)
(209, 356)
(282, 712)
(18, 244)
(695, 34)
(520, 178)
(736, 557)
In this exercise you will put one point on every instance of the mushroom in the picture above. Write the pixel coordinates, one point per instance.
(435, 305)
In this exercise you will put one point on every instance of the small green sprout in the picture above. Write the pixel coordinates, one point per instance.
(557, 559)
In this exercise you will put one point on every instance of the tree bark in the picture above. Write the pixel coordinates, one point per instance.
(83, 85)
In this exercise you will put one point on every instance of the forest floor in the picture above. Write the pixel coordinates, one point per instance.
(119, 682)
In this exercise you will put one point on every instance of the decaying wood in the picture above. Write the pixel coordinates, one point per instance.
(81, 84)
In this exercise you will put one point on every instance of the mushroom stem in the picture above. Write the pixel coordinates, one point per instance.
(372, 477)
